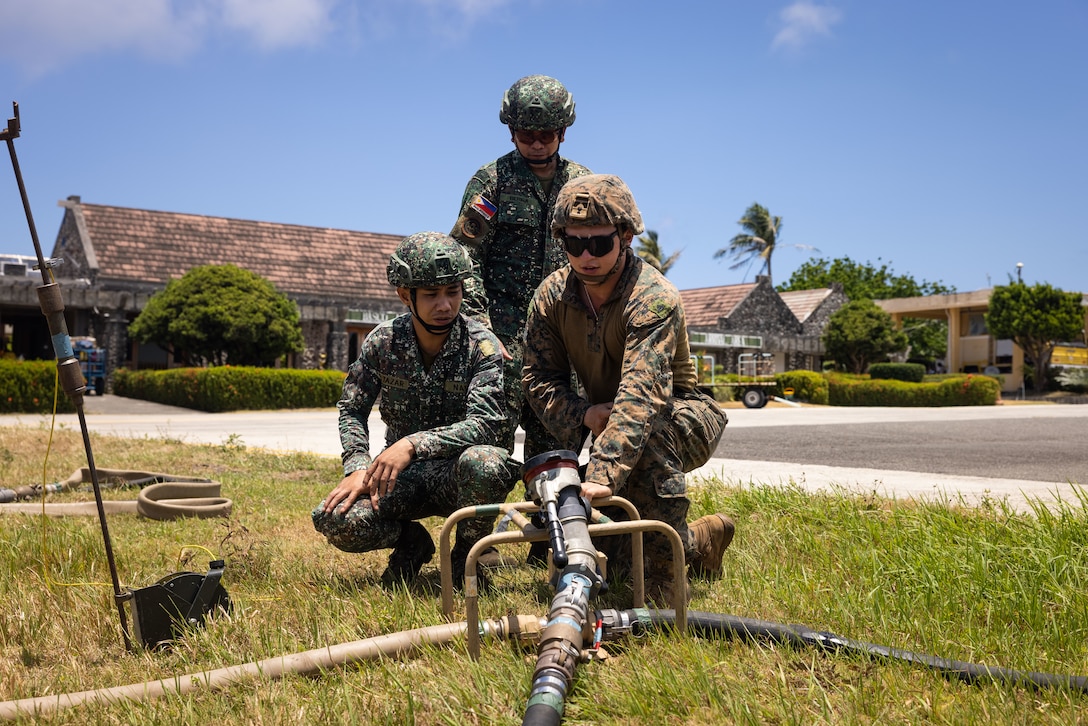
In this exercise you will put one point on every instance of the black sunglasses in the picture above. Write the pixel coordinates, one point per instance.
(598, 246)
(529, 137)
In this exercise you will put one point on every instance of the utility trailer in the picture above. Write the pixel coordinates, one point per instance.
(755, 374)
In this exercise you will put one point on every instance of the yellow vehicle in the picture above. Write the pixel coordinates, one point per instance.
(1069, 354)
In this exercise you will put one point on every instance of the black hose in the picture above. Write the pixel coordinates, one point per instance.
(752, 630)
(540, 714)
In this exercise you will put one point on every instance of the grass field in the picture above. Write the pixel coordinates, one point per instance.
(983, 585)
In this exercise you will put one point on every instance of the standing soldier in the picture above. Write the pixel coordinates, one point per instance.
(504, 220)
(619, 324)
(440, 379)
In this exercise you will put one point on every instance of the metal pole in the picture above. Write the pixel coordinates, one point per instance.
(52, 304)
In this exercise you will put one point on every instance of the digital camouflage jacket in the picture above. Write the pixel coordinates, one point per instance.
(517, 251)
(456, 404)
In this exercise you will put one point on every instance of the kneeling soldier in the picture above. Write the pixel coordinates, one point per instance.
(440, 379)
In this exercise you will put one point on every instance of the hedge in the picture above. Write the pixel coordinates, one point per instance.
(232, 388)
(28, 387)
(964, 390)
(910, 372)
(808, 386)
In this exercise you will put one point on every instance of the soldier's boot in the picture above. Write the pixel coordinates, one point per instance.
(458, 555)
(538, 554)
(711, 536)
(413, 549)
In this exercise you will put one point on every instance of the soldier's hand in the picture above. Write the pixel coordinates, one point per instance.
(505, 353)
(350, 488)
(592, 490)
(386, 467)
(596, 417)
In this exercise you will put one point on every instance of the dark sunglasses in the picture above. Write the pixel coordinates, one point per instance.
(528, 137)
(598, 246)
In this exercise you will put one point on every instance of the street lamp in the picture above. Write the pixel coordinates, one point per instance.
(1019, 267)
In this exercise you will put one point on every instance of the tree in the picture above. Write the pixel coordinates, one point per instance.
(928, 337)
(1036, 318)
(218, 314)
(759, 240)
(860, 333)
(649, 249)
(860, 280)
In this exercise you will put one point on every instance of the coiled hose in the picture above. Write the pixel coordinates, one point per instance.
(162, 497)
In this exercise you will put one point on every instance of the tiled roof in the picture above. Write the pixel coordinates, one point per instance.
(803, 302)
(704, 305)
(303, 262)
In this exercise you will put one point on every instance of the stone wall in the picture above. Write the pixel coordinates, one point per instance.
(762, 312)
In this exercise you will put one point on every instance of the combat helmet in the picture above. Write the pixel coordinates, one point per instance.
(428, 259)
(596, 200)
(537, 103)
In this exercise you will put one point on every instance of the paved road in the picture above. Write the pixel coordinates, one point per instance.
(1001, 444)
(1017, 451)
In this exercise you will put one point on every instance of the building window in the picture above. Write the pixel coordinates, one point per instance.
(975, 324)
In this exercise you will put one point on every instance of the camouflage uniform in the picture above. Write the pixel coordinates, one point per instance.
(451, 413)
(516, 251)
(634, 353)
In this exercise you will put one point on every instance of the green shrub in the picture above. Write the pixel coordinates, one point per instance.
(910, 372)
(963, 390)
(1073, 379)
(232, 388)
(28, 387)
(807, 386)
(721, 394)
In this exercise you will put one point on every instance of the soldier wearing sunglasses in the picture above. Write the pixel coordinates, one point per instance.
(619, 325)
(504, 218)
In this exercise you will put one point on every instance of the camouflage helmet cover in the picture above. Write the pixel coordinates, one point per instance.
(537, 103)
(428, 259)
(596, 200)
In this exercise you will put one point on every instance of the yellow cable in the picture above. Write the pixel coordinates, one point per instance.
(195, 547)
(45, 468)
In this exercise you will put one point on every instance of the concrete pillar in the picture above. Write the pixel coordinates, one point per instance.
(955, 361)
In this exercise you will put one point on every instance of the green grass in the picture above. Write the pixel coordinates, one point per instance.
(984, 585)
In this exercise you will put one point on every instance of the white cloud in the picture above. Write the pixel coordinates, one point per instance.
(40, 36)
(275, 24)
(802, 21)
(43, 35)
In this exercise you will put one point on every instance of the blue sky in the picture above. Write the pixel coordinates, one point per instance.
(945, 138)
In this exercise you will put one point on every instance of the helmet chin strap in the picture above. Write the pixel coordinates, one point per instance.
(542, 162)
(432, 329)
(600, 279)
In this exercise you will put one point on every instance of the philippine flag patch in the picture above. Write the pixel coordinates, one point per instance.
(484, 206)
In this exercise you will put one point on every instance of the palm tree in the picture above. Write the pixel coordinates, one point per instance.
(649, 249)
(761, 236)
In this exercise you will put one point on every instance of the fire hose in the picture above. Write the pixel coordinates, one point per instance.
(614, 626)
(162, 496)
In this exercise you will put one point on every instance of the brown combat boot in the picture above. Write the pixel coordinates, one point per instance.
(712, 535)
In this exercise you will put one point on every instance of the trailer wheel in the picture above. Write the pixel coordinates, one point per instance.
(754, 398)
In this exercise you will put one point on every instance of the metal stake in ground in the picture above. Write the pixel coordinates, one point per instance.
(71, 378)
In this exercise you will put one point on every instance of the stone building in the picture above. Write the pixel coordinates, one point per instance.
(728, 321)
(112, 259)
